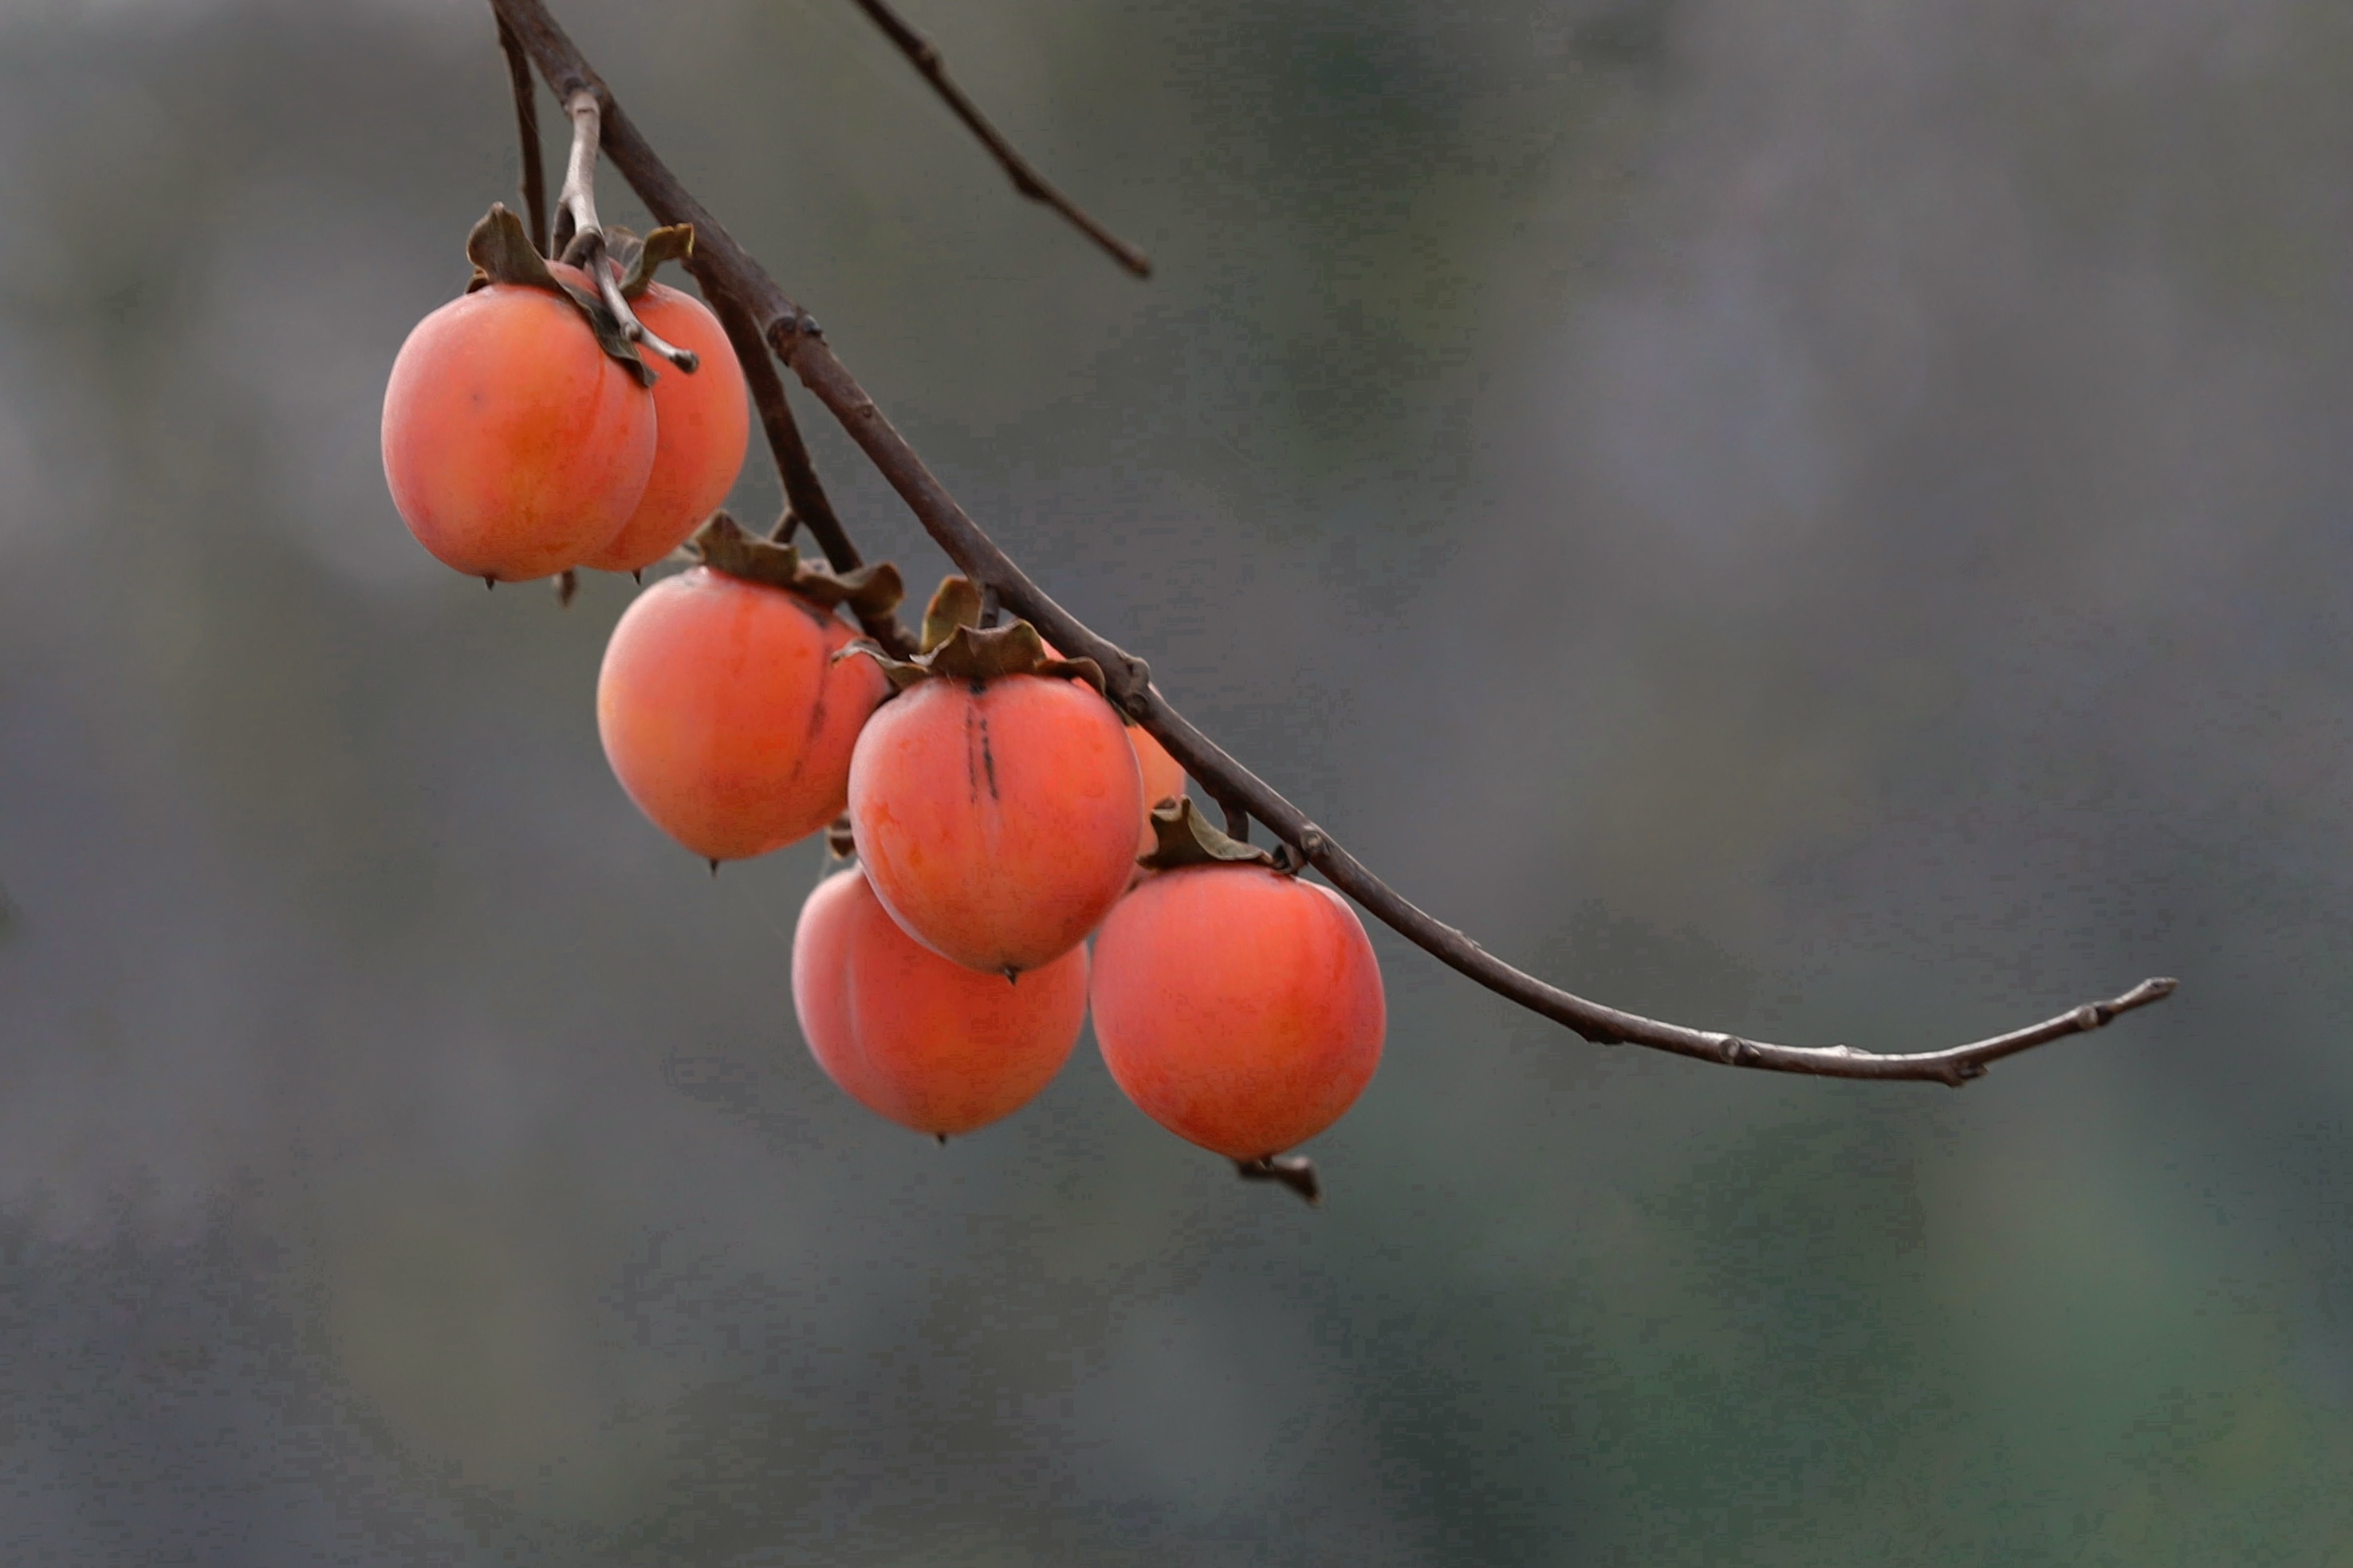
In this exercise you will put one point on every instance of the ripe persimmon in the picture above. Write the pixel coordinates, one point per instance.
(932, 1045)
(514, 444)
(996, 815)
(726, 717)
(1238, 1007)
(703, 421)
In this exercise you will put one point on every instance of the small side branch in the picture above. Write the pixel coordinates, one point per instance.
(534, 175)
(926, 57)
(794, 336)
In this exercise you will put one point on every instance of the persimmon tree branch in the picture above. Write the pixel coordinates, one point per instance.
(798, 341)
(926, 57)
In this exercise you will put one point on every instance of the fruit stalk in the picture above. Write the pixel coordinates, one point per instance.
(798, 341)
(580, 238)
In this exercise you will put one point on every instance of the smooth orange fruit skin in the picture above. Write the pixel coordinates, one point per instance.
(996, 820)
(1163, 779)
(930, 1044)
(725, 716)
(1239, 1009)
(702, 422)
(513, 446)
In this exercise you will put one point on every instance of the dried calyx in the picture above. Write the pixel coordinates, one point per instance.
(956, 647)
(722, 545)
(1183, 837)
(503, 253)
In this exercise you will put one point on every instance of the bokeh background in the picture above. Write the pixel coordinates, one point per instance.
(1824, 518)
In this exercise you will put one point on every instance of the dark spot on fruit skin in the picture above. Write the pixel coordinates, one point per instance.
(988, 757)
(815, 723)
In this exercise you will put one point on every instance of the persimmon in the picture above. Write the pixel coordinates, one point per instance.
(703, 419)
(514, 444)
(930, 1044)
(994, 811)
(1238, 1007)
(724, 715)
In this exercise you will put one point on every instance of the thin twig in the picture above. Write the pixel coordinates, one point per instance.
(534, 175)
(926, 57)
(796, 339)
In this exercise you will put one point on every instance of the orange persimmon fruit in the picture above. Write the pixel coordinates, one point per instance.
(929, 1043)
(725, 716)
(1237, 1008)
(703, 418)
(514, 444)
(997, 817)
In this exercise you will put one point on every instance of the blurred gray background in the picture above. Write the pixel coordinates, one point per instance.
(1825, 519)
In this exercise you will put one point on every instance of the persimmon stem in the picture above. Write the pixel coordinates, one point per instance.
(575, 204)
(798, 342)
(580, 238)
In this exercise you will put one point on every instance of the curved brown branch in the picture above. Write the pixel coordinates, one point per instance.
(926, 57)
(799, 344)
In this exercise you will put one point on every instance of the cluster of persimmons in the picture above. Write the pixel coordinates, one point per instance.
(1002, 810)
